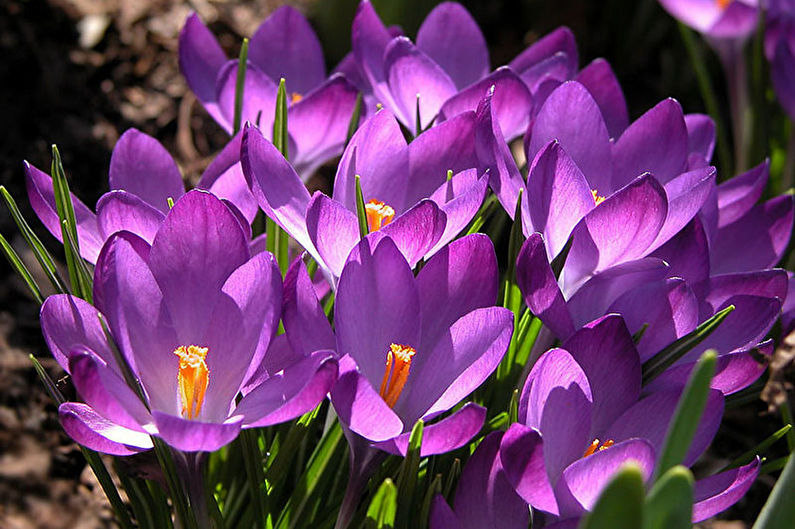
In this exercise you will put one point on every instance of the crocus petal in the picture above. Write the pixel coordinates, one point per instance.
(763, 234)
(737, 20)
(719, 492)
(656, 143)
(522, 456)
(738, 195)
(416, 231)
(484, 498)
(559, 40)
(512, 101)
(763, 283)
(277, 188)
(783, 76)
(571, 115)
(687, 194)
(699, 14)
(668, 309)
(619, 229)
(369, 38)
(467, 192)
(700, 135)
(67, 321)
(42, 200)
(361, 408)
(200, 60)
(196, 249)
(415, 80)
(448, 146)
(123, 211)
(305, 324)
(558, 197)
(540, 288)
(93, 431)
(649, 419)
(541, 77)
(194, 436)
(442, 436)
(105, 391)
(377, 153)
(318, 123)
(290, 393)
(333, 230)
(687, 253)
(376, 292)
(606, 353)
(595, 296)
(285, 46)
(456, 365)
(584, 480)
(601, 82)
(142, 166)
(259, 96)
(224, 178)
(451, 37)
(442, 516)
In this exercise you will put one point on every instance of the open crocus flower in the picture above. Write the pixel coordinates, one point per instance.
(581, 417)
(142, 177)
(421, 195)
(284, 46)
(193, 316)
(721, 19)
(412, 348)
(484, 498)
(780, 51)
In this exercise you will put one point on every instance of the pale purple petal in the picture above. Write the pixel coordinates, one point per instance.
(700, 135)
(451, 37)
(600, 80)
(259, 97)
(123, 211)
(739, 194)
(686, 194)
(285, 45)
(200, 60)
(224, 178)
(416, 231)
(142, 166)
(305, 323)
(719, 492)
(559, 40)
(369, 38)
(194, 436)
(333, 230)
(467, 192)
(522, 456)
(687, 253)
(442, 516)
(93, 431)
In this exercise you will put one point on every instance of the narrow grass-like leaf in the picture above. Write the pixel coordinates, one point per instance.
(759, 449)
(407, 482)
(65, 209)
(240, 84)
(85, 281)
(687, 415)
(356, 116)
(417, 117)
(361, 212)
(176, 491)
(42, 255)
(280, 135)
(256, 478)
(22, 270)
(512, 296)
(786, 414)
(657, 364)
(433, 489)
(383, 508)
(779, 509)
(620, 506)
(669, 505)
(452, 477)
(488, 207)
(773, 466)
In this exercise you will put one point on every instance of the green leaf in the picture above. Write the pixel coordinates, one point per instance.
(361, 212)
(512, 296)
(240, 84)
(670, 502)
(773, 466)
(657, 364)
(22, 270)
(280, 136)
(433, 489)
(42, 255)
(779, 510)
(418, 123)
(759, 449)
(687, 415)
(407, 482)
(382, 510)
(488, 207)
(66, 217)
(85, 280)
(353, 124)
(620, 506)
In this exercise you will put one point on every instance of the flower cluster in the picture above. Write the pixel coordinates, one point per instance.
(386, 305)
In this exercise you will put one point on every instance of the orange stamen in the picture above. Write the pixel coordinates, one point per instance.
(723, 4)
(295, 97)
(596, 198)
(192, 378)
(398, 365)
(378, 214)
(594, 447)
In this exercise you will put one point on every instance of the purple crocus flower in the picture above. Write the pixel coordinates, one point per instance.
(421, 195)
(581, 416)
(193, 315)
(484, 498)
(142, 177)
(780, 51)
(720, 19)
(438, 335)
(284, 46)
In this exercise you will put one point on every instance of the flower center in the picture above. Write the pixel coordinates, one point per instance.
(596, 198)
(398, 364)
(295, 97)
(192, 378)
(378, 214)
(594, 447)
(723, 4)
